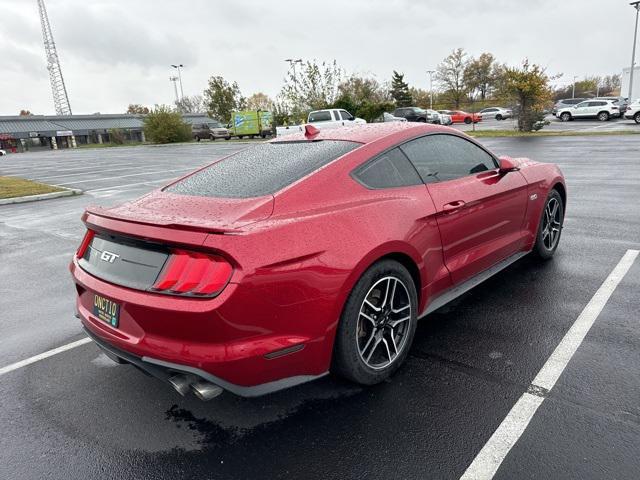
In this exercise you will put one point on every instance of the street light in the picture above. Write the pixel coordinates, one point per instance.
(178, 67)
(292, 64)
(573, 92)
(635, 5)
(431, 72)
(175, 86)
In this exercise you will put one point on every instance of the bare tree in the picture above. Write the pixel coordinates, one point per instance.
(450, 74)
(191, 104)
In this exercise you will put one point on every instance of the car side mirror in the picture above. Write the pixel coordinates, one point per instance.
(507, 165)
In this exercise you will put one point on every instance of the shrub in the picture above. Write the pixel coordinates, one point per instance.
(116, 135)
(163, 125)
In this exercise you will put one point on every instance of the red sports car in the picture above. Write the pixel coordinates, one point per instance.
(459, 116)
(310, 253)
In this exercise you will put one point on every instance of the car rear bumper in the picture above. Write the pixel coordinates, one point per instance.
(234, 340)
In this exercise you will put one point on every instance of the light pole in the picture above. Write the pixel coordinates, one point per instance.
(431, 72)
(178, 67)
(292, 64)
(175, 86)
(635, 5)
(573, 92)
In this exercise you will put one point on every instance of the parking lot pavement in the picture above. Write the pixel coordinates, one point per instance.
(76, 415)
(613, 125)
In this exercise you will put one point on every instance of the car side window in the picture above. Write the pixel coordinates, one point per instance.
(392, 169)
(443, 157)
(321, 116)
(346, 115)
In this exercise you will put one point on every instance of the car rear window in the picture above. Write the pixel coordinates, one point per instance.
(262, 169)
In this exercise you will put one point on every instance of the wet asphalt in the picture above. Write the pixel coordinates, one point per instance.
(77, 415)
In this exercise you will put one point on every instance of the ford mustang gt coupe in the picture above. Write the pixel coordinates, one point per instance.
(312, 253)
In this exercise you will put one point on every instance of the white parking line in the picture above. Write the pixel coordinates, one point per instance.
(126, 176)
(488, 460)
(42, 356)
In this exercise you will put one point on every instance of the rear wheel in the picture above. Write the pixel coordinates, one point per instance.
(565, 117)
(550, 227)
(467, 120)
(603, 116)
(377, 325)
(197, 138)
(498, 117)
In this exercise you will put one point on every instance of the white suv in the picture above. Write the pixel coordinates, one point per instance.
(633, 111)
(603, 110)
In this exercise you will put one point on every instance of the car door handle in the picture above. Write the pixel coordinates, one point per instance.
(453, 206)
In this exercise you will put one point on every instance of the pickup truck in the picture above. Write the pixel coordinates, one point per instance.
(321, 119)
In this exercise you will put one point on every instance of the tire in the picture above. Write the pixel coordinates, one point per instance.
(498, 117)
(240, 137)
(565, 117)
(636, 117)
(212, 137)
(227, 138)
(422, 120)
(197, 138)
(546, 242)
(467, 120)
(603, 116)
(363, 350)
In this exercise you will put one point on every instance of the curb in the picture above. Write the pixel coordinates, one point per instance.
(67, 192)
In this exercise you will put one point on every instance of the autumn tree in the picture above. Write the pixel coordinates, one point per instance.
(136, 108)
(363, 97)
(259, 101)
(421, 98)
(450, 74)
(480, 74)
(528, 85)
(400, 90)
(191, 104)
(311, 86)
(165, 125)
(222, 98)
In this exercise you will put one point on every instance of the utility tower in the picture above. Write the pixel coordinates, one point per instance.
(60, 98)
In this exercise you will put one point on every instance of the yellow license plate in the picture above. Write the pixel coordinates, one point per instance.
(106, 310)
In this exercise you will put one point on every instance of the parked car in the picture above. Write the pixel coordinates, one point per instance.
(633, 111)
(210, 130)
(498, 113)
(459, 116)
(387, 117)
(332, 118)
(439, 118)
(566, 102)
(622, 102)
(416, 114)
(203, 283)
(603, 110)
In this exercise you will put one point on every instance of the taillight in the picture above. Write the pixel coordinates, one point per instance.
(193, 273)
(88, 236)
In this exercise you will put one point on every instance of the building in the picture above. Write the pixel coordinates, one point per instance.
(44, 132)
(624, 83)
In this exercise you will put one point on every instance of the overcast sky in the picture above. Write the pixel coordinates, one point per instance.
(116, 52)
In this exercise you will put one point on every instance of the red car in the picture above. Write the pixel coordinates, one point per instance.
(310, 253)
(459, 116)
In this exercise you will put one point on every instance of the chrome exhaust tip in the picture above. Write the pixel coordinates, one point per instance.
(181, 383)
(205, 391)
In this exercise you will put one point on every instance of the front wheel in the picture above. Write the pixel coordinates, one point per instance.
(377, 324)
(550, 228)
(212, 137)
(603, 116)
(197, 138)
(467, 120)
(498, 117)
(636, 117)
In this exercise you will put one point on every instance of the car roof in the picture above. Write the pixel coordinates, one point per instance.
(369, 132)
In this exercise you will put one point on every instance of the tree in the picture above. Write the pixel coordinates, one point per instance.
(480, 74)
(259, 101)
(222, 98)
(25, 113)
(311, 86)
(400, 90)
(421, 98)
(363, 97)
(528, 85)
(191, 104)
(136, 108)
(164, 125)
(450, 74)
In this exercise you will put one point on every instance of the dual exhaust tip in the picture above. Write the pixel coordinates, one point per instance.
(202, 389)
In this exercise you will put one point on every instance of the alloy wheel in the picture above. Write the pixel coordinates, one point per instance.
(383, 323)
(551, 224)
